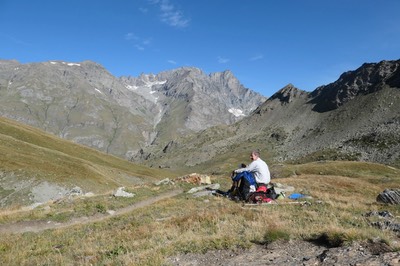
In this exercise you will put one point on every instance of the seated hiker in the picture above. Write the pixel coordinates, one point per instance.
(259, 169)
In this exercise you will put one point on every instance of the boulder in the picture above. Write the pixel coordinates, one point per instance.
(165, 181)
(120, 192)
(195, 178)
(389, 196)
(201, 188)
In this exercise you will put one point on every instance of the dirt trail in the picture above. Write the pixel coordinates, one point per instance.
(37, 226)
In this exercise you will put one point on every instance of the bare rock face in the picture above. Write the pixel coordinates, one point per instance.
(368, 78)
(389, 196)
(189, 99)
(85, 103)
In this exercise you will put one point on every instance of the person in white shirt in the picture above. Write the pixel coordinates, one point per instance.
(258, 168)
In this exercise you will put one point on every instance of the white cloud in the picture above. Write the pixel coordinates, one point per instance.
(222, 60)
(139, 43)
(170, 14)
(172, 62)
(130, 36)
(256, 57)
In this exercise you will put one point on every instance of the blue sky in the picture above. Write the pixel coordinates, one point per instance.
(266, 44)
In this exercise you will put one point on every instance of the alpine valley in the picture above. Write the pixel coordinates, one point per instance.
(104, 170)
(184, 118)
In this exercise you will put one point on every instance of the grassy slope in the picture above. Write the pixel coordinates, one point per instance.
(29, 153)
(342, 192)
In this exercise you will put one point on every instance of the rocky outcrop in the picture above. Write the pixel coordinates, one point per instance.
(294, 253)
(369, 78)
(383, 220)
(389, 196)
(288, 94)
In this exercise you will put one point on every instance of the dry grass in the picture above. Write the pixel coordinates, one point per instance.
(27, 147)
(31, 155)
(69, 208)
(342, 192)
(185, 224)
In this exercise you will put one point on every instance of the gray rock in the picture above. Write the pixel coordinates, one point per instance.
(76, 191)
(200, 188)
(389, 196)
(165, 181)
(387, 225)
(122, 193)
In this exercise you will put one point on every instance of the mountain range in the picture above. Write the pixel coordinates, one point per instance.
(183, 118)
(122, 116)
(356, 117)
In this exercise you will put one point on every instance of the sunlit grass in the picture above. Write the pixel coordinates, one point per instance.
(342, 192)
(31, 155)
(80, 206)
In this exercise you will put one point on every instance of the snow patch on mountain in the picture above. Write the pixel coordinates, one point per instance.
(236, 112)
(145, 87)
(65, 63)
(131, 87)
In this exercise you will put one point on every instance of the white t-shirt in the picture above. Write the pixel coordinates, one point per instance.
(259, 169)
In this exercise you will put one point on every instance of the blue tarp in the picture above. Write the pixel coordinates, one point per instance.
(296, 196)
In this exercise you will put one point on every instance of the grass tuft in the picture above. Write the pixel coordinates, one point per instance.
(275, 234)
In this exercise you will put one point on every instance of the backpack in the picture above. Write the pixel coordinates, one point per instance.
(246, 181)
(263, 196)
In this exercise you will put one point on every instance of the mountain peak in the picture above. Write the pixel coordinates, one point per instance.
(287, 93)
(188, 70)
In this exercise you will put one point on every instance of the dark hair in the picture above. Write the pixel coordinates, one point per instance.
(243, 165)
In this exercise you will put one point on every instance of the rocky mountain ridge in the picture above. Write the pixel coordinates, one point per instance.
(85, 103)
(355, 118)
(213, 99)
(369, 78)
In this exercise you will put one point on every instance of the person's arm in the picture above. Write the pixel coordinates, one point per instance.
(250, 168)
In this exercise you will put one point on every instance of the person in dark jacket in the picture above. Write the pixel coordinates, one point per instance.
(246, 184)
(243, 184)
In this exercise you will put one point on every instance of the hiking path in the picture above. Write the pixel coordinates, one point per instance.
(41, 225)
